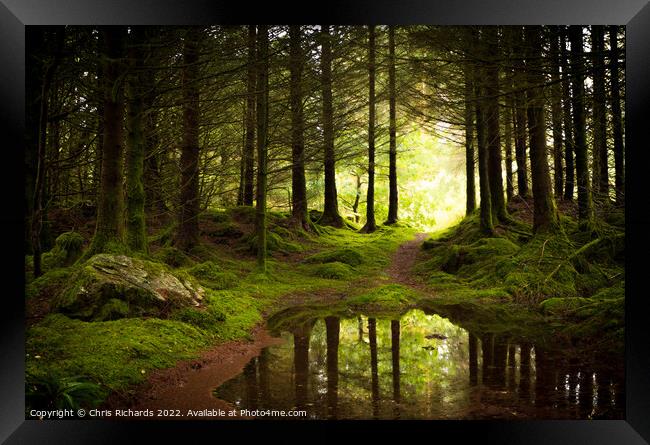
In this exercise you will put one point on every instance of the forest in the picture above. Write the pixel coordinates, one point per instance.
(340, 222)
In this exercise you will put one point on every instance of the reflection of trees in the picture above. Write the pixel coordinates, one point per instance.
(394, 343)
(333, 327)
(372, 337)
(301, 336)
(473, 360)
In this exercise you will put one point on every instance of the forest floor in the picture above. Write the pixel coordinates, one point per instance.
(564, 291)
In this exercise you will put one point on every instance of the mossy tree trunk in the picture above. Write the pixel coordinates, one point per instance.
(556, 113)
(330, 211)
(487, 225)
(392, 132)
(507, 135)
(249, 143)
(495, 173)
(262, 141)
(371, 225)
(470, 107)
(298, 183)
(520, 113)
(569, 146)
(187, 235)
(545, 216)
(136, 238)
(600, 167)
(617, 121)
(585, 206)
(109, 230)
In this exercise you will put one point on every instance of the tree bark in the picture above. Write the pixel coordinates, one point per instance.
(487, 225)
(109, 230)
(600, 170)
(262, 143)
(545, 216)
(569, 146)
(556, 113)
(392, 132)
(495, 173)
(136, 237)
(585, 206)
(330, 212)
(470, 107)
(520, 114)
(188, 224)
(249, 145)
(617, 125)
(508, 145)
(298, 183)
(371, 225)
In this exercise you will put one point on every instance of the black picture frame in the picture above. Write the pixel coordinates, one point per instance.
(16, 14)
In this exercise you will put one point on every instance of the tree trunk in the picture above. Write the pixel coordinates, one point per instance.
(298, 183)
(585, 206)
(600, 170)
(392, 132)
(569, 146)
(487, 226)
(330, 212)
(545, 216)
(470, 189)
(520, 114)
(495, 173)
(262, 141)
(136, 237)
(508, 137)
(249, 145)
(109, 230)
(617, 126)
(188, 224)
(371, 225)
(556, 113)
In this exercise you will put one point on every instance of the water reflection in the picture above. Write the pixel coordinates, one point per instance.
(419, 366)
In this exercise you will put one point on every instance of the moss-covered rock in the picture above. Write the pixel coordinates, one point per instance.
(335, 270)
(347, 256)
(207, 318)
(209, 274)
(143, 287)
(274, 243)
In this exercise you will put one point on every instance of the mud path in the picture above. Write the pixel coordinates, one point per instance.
(401, 267)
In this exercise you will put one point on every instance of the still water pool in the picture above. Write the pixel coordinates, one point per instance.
(418, 366)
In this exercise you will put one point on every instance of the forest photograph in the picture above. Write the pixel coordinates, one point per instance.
(322, 222)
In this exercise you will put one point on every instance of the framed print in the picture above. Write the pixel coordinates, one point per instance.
(413, 218)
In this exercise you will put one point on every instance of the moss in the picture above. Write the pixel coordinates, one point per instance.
(559, 306)
(50, 283)
(215, 216)
(173, 257)
(209, 274)
(67, 249)
(242, 214)
(347, 256)
(113, 309)
(391, 297)
(207, 319)
(334, 270)
(114, 354)
(274, 243)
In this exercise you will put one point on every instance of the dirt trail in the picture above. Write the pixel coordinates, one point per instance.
(400, 268)
(189, 385)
